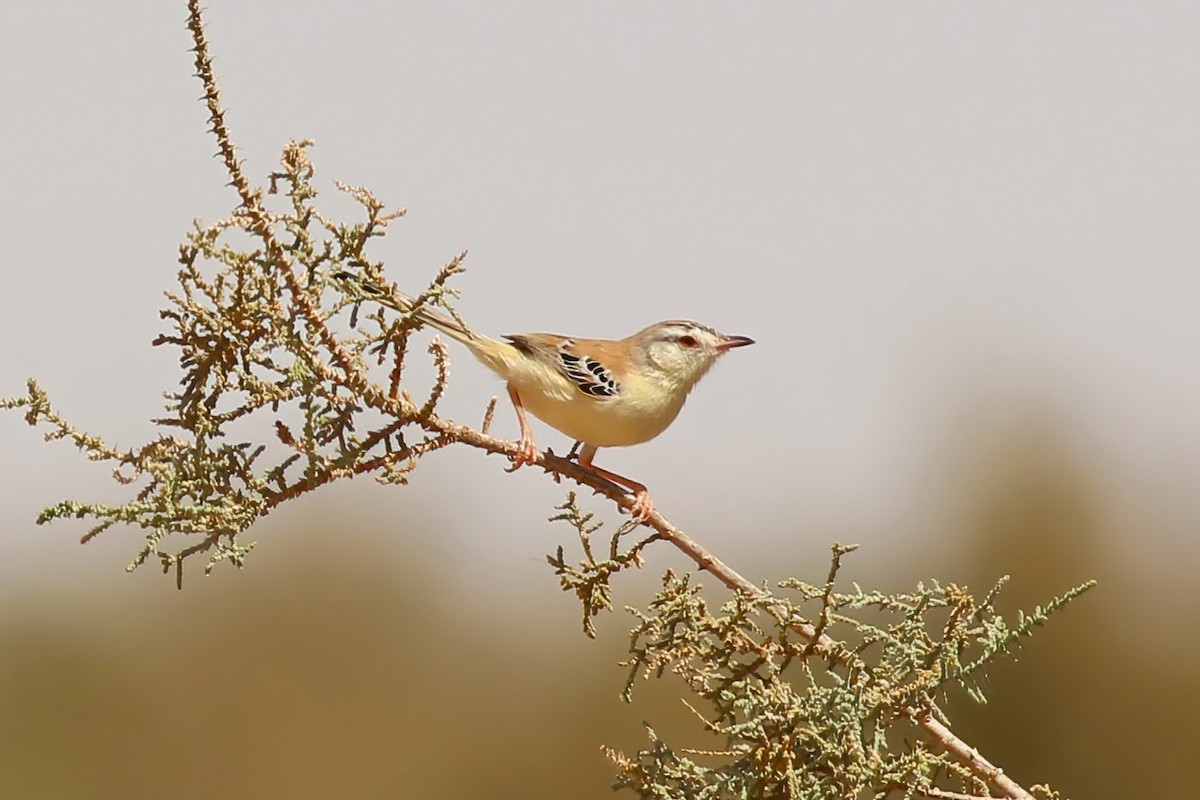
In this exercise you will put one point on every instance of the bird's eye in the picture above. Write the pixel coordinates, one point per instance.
(688, 341)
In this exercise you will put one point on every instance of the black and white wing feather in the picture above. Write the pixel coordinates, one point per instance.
(589, 375)
(586, 373)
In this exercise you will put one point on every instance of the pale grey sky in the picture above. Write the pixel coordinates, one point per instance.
(931, 216)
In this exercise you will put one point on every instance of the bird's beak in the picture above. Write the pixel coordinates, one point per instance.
(730, 342)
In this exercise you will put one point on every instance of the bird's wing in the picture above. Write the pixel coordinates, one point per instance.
(583, 367)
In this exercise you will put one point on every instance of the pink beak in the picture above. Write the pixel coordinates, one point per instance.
(730, 342)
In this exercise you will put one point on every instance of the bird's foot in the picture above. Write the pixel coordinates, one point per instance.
(642, 506)
(527, 452)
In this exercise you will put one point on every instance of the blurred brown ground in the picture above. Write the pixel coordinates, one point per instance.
(323, 671)
(905, 204)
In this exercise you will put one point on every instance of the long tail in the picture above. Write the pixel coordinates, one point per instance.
(431, 316)
(408, 305)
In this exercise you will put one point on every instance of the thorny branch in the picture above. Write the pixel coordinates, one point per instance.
(265, 336)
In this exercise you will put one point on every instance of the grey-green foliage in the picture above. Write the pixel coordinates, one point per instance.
(270, 340)
(786, 720)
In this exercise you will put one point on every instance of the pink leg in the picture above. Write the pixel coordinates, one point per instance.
(642, 506)
(527, 451)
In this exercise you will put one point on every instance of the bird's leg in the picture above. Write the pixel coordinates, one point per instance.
(574, 450)
(642, 506)
(526, 450)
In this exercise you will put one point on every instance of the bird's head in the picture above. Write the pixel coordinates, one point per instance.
(679, 352)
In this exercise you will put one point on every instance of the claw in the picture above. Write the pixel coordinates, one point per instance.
(527, 452)
(642, 506)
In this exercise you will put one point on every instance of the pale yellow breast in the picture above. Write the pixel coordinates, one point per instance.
(632, 417)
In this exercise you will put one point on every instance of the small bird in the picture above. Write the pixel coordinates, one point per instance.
(600, 392)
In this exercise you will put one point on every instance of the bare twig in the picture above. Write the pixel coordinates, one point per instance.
(941, 794)
(488, 415)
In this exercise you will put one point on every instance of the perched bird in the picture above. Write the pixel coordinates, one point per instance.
(600, 392)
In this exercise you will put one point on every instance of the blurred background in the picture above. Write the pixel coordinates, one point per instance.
(964, 236)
